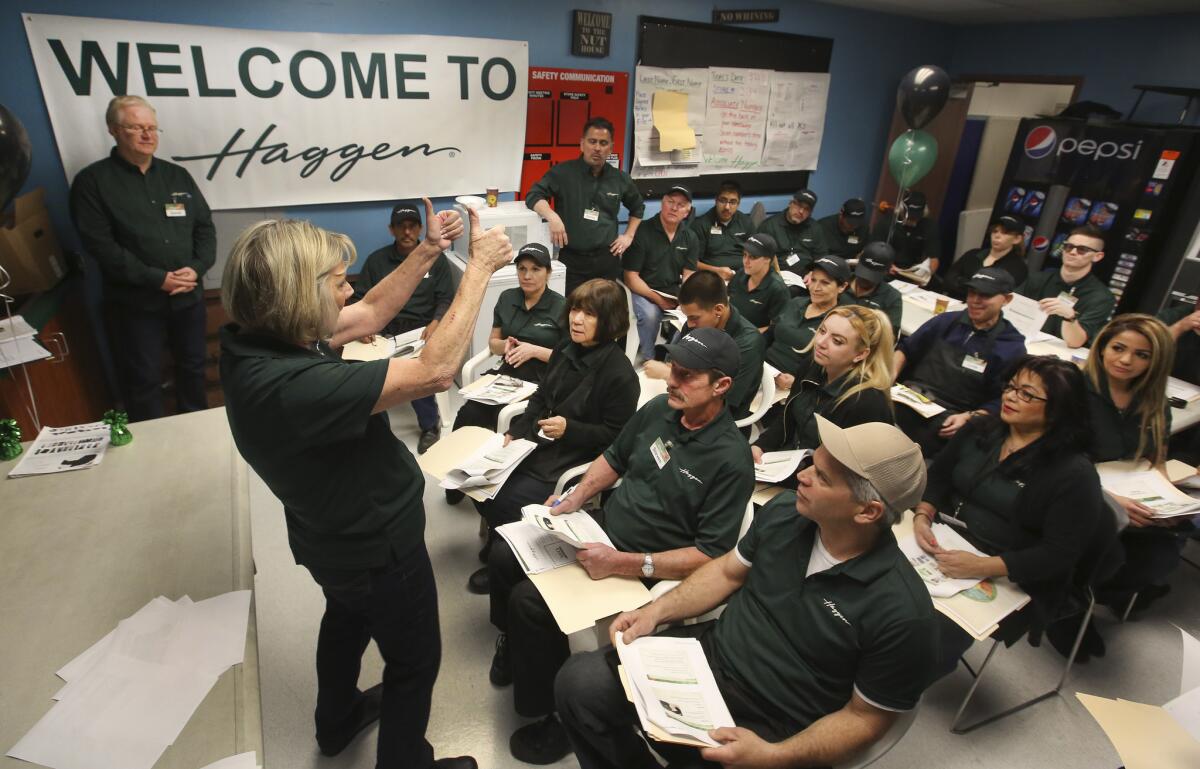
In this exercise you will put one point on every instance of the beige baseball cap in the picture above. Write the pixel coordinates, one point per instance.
(880, 453)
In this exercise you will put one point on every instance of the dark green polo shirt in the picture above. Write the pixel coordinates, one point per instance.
(985, 499)
(302, 419)
(120, 214)
(799, 244)
(430, 299)
(760, 305)
(1094, 301)
(574, 190)
(661, 261)
(721, 244)
(749, 376)
(541, 324)
(698, 498)
(884, 298)
(792, 332)
(806, 644)
(1115, 433)
(913, 244)
(838, 243)
(1187, 346)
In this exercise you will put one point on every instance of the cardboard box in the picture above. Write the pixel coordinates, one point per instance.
(29, 249)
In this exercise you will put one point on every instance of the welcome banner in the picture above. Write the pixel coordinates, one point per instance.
(265, 119)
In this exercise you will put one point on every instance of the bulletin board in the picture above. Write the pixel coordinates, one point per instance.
(756, 99)
(561, 101)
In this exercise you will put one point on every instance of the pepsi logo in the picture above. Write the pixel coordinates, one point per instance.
(1040, 243)
(1040, 142)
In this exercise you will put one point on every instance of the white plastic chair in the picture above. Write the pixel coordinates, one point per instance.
(762, 402)
(476, 365)
(876, 750)
(631, 337)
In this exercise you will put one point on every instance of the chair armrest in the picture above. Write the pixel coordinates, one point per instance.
(508, 414)
(476, 365)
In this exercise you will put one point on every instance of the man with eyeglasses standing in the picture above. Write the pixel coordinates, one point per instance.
(145, 222)
(1077, 302)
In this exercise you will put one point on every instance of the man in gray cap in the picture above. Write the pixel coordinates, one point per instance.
(845, 232)
(686, 475)
(870, 287)
(799, 237)
(428, 303)
(827, 635)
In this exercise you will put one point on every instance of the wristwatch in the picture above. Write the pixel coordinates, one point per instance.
(648, 566)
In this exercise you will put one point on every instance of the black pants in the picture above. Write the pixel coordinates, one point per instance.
(923, 431)
(601, 722)
(397, 607)
(137, 338)
(477, 414)
(582, 266)
(1151, 554)
(536, 647)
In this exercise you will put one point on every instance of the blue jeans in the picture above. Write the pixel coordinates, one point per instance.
(649, 318)
(427, 413)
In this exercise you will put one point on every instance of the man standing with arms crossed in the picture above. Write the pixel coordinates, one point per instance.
(588, 194)
(145, 222)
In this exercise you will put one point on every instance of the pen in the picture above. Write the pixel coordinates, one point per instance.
(564, 495)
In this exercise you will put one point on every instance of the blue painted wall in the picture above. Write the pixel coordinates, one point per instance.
(870, 54)
(1111, 54)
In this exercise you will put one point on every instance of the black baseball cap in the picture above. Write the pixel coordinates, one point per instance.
(405, 212)
(991, 281)
(876, 260)
(535, 251)
(855, 210)
(833, 266)
(679, 188)
(914, 203)
(705, 348)
(1010, 224)
(807, 197)
(760, 244)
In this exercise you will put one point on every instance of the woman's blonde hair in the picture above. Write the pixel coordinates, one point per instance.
(875, 336)
(1150, 389)
(276, 279)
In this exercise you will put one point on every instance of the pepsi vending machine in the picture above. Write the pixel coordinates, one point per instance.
(1127, 180)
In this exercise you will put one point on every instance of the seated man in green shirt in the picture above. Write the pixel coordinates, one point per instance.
(1077, 302)
(686, 476)
(845, 232)
(662, 256)
(799, 237)
(704, 300)
(722, 230)
(914, 234)
(827, 635)
(428, 303)
(870, 287)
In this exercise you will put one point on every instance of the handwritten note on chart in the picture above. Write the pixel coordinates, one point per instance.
(795, 120)
(648, 82)
(670, 120)
(736, 119)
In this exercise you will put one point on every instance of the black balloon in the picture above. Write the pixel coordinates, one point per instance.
(15, 156)
(922, 94)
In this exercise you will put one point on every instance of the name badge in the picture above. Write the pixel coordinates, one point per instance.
(974, 363)
(591, 214)
(852, 240)
(174, 210)
(715, 230)
(425, 276)
(792, 259)
(1070, 299)
(659, 452)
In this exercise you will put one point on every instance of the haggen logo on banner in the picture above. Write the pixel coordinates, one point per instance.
(266, 118)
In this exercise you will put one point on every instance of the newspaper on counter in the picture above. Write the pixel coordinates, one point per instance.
(62, 449)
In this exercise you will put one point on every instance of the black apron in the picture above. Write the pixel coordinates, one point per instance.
(942, 376)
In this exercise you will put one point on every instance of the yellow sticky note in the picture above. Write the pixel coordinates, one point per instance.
(670, 118)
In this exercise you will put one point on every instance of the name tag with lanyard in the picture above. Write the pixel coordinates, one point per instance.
(591, 214)
(716, 230)
(176, 209)
(792, 258)
(658, 450)
(974, 363)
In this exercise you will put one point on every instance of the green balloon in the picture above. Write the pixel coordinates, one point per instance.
(912, 155)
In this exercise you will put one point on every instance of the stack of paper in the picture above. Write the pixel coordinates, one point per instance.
(1149, 487)
(1184, 391)
(915, 401)
(904, 287)
(672, 687)
(792, 279)
(405, 345)
(488, 468)
(498, 390)
(1026, 314)
(576, 529)
(938, 584)
(542, 541)
(129, 696)
(777, 466)
(62, 449)
(17, 343)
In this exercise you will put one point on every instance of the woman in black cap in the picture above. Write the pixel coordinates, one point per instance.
(758, 292)
(1005, 250)
(793, 330)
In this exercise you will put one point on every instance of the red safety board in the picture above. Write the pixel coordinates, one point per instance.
(560, 102)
